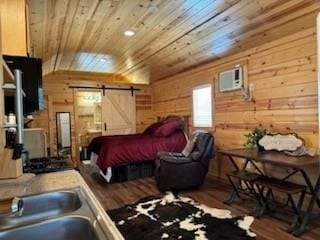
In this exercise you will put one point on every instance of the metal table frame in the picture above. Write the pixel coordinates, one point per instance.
(295, 169)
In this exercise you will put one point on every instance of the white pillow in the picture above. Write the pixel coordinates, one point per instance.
(190, 145)
(190, 142)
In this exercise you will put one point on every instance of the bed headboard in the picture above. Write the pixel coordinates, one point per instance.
(183, 119)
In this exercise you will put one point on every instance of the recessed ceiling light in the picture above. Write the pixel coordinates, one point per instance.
(129, 33)
(103, 59)
(153, 9)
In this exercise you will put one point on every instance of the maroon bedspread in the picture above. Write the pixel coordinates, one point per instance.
(96, 143)
(136, 148)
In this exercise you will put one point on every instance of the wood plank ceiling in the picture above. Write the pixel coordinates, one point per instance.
(171, 35)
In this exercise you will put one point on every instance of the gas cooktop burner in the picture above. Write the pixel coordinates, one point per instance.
(48, 164)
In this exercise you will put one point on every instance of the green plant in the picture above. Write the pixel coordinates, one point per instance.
(254, 136)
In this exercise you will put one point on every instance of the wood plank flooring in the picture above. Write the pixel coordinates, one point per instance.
(212, 193)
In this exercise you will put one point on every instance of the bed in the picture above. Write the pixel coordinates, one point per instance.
(167, 134)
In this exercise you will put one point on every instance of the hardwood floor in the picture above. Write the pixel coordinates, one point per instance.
(212, 193)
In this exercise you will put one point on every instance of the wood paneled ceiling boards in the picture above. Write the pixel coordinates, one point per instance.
(169, 36)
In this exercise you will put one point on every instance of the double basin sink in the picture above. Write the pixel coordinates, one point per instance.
(58, 215)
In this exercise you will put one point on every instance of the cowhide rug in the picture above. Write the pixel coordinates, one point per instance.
(176, 217)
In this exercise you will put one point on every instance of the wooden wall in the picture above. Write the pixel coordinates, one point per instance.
(59, 98)
(285, 96)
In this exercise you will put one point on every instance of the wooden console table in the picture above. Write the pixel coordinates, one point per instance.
(279, 159)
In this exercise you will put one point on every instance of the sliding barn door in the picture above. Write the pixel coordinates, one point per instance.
(118, 112)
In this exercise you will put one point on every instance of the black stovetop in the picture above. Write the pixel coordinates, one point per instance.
(47, 164)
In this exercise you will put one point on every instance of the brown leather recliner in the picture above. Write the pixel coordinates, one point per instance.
(174, 171)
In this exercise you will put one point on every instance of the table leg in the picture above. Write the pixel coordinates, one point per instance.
(235, 187)
(231, 197)
(309, 184)
(307, 214)
(297, 219)
(234, 163)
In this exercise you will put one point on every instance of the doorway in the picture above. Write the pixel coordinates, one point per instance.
(89, 119)
(63, 125)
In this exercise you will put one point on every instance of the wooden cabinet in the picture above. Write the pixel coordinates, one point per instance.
(14, 27)
(1, 108)
(8, 168)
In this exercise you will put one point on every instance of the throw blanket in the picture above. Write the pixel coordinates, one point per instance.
(125, 150)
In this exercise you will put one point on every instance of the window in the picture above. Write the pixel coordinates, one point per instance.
(202, 106)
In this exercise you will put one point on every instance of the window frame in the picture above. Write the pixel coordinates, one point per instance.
(211, 107)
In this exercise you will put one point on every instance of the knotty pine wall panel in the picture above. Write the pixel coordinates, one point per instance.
(285, 93)
(60, 98)
(179, 35)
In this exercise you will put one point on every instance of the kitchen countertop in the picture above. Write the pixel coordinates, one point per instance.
(33, 184)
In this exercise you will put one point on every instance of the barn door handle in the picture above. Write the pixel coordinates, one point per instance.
(105, 126)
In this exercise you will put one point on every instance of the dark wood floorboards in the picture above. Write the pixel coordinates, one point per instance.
(212, 193)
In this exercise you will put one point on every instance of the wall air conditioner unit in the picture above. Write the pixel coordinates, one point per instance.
(230, 80)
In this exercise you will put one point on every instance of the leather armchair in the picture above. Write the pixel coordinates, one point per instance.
(175, 171)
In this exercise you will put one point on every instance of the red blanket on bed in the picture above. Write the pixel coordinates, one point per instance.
(96, 143)
(118, 150)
